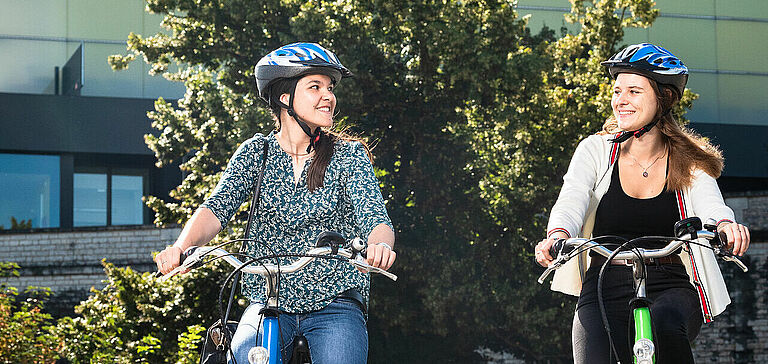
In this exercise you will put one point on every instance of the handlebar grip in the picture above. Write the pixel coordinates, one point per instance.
(722, 239)
(556, 247)
(184, 255)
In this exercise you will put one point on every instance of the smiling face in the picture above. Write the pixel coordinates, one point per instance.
(634, 101)
(314, 100)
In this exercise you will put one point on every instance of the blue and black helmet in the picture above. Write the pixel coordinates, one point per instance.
(650, 61)
(295, 60)
(289, 62)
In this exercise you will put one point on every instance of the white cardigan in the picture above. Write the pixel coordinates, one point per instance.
(585, 183)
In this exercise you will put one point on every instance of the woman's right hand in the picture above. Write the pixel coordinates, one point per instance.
(199, 230)
(168, 259)
(542, 248)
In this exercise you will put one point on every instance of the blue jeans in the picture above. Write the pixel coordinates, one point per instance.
(335, 334)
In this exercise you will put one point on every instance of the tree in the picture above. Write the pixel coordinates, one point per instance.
(474, 120)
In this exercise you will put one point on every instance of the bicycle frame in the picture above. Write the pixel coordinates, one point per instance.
(643, 348)
(270, 339)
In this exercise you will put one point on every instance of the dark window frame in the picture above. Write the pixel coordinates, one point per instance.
(110, 172)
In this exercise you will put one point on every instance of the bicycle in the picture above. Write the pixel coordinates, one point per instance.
(328, 245)
(687, 231)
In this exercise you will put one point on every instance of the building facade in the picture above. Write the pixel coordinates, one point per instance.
(73, 163)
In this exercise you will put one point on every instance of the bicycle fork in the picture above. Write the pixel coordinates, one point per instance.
(644, 350)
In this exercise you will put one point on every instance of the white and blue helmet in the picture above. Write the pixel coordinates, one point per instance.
(650, 61)
(295, 60)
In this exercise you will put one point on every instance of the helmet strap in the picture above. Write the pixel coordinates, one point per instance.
(314, 138)
(624, 136)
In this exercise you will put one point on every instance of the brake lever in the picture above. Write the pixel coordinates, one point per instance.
(547, 271)
(557, 263)
(732, 258)
(726, 254)
(359, 262)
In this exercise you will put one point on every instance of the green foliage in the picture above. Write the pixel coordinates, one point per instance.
(189, 344)
(23, 325)
(19, 224)
(474, 119)
(136, 319)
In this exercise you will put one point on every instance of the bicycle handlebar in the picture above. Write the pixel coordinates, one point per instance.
(565, 249)
(194, 255)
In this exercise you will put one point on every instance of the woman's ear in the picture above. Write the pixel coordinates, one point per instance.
(285, 99)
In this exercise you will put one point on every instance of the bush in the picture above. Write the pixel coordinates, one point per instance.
(23, 325)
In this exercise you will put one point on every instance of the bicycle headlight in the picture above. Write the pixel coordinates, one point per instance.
(258, 355)
(644, 350)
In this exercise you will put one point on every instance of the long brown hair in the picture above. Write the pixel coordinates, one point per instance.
(324, 147)
(688, 150)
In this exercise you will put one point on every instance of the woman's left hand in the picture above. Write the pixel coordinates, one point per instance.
(380, 255)
(738, 237)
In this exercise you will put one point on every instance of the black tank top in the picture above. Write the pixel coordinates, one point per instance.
(629, 217)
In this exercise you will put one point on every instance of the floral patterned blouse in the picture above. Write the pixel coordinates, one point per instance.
(289, 217)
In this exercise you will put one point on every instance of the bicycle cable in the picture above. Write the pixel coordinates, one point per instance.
(601, 305)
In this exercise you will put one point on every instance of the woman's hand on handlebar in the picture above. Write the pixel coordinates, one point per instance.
(380, 255)
(168, 259)
(542, 248)
(738, 237)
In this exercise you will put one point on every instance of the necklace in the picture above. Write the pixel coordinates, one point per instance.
(281, 142)
(297, 154)
(645, 169)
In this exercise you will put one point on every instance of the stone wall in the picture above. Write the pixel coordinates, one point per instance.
(740, 334)
(69, 262)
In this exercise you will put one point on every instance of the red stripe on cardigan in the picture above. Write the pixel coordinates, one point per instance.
(681, 204)
(556, 230)
(722, 221)
(615, 149)
(696, 279)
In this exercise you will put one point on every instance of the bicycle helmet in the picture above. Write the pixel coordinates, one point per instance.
(292, 61)
(653, 62)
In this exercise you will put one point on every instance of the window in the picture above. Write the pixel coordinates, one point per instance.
(29, 191)
(90, 199)
(108, 198)
(127, 206)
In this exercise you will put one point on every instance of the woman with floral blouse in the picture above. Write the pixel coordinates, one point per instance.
(314, 180)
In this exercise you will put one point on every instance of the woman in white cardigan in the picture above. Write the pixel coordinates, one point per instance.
(637, 177)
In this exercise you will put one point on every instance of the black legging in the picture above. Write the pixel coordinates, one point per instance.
(675, 313)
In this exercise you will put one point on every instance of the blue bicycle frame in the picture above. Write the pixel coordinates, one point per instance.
(270, 339)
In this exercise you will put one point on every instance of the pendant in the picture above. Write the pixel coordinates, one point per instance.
(645, 174)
